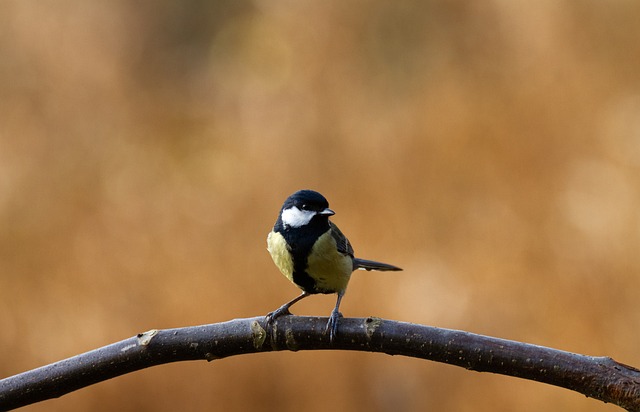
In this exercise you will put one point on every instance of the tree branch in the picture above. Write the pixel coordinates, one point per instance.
(596, 377)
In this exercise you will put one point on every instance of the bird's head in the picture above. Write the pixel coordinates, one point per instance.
(303, 206)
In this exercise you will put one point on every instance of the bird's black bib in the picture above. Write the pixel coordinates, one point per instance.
(300, 242)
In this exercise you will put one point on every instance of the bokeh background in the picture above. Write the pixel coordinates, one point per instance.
(491, 149)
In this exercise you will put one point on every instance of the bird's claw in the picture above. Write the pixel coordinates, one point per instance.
(272, 316)
(332, 325)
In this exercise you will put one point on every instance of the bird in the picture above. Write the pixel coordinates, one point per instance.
(313, 253)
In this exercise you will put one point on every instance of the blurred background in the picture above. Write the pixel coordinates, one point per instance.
(490, 149)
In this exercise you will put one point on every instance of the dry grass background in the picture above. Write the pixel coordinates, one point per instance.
(491, 149)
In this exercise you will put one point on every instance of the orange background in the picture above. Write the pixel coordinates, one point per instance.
(491, 149)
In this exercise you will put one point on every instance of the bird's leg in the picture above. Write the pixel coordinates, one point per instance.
(284, 309)
(332, 325)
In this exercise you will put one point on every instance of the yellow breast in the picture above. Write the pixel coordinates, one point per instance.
(330, 268)
(277, 247)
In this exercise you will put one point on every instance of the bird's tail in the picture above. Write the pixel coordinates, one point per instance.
(372, 265)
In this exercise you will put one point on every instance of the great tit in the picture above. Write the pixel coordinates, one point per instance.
(313, 253)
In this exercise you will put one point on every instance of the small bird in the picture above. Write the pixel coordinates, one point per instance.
(313, 253)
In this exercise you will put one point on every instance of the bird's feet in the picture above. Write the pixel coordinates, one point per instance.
(272, 316)
(332, 324)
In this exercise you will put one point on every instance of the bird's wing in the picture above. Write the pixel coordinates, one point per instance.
(341, 240)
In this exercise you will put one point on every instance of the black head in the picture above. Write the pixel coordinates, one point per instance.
(306, 200)
(303, 207)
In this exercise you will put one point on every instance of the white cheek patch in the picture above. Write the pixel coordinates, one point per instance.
(295, 217)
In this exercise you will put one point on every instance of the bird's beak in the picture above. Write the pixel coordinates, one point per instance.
(327, 212)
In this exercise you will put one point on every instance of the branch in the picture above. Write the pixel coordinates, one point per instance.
(596, 377)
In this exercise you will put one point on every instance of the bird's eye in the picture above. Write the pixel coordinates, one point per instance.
(305, 207)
